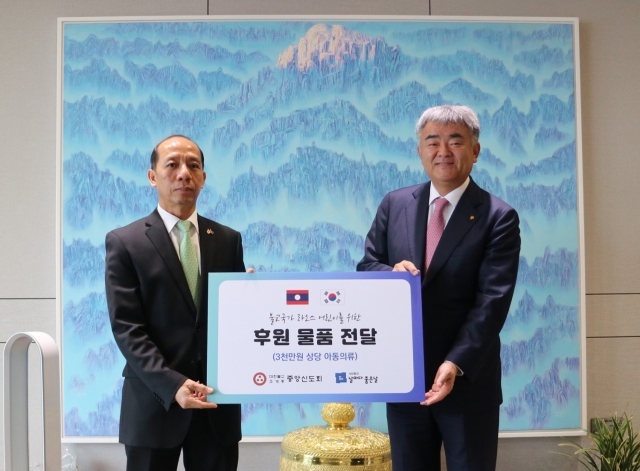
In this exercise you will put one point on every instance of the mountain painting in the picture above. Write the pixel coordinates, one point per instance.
(305, 125)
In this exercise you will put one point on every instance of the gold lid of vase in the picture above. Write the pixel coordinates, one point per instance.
(337, 446)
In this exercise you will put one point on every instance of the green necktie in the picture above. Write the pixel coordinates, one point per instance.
(189, 260)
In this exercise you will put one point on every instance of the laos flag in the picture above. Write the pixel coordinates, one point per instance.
(297, 296)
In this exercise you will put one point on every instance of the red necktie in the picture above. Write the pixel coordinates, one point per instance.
(435, 230)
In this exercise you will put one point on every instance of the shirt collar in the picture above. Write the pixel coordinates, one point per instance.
(170, 220)
(452, 197)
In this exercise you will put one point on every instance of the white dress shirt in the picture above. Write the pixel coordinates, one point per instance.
(176, 234)
(453, 197)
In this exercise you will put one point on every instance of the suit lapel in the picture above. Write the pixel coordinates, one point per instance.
(207, 258)
(416, 212)
(465, 215)
(207, 246)
(159, 237)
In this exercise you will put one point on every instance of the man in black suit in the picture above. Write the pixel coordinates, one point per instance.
(156, 286)
(466, 244)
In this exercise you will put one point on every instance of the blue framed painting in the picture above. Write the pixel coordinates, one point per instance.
(306, 123)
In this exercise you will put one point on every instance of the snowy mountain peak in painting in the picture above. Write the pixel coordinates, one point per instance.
(328, 45)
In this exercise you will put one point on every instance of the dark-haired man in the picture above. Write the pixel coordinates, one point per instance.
(156, 288)
(466, 243)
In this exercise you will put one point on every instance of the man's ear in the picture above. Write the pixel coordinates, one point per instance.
(476, 151)
(151, 175)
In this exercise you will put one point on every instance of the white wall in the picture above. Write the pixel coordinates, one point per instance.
(610, 65)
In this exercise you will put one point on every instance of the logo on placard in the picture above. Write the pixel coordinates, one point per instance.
(297, 296)
(333, 296)
(341, 377)
(260, 379)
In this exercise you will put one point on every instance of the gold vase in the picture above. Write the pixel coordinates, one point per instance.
(336, 447)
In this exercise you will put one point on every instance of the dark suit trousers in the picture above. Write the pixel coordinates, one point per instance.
(418, 432)
(202, 451)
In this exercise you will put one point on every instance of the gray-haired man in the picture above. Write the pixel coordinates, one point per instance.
(465, 243)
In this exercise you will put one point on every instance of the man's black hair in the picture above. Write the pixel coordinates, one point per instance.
(154, 153)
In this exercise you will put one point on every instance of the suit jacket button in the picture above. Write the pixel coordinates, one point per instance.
(197, 327)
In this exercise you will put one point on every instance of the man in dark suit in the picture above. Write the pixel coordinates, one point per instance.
(156, 286)
(466, 244)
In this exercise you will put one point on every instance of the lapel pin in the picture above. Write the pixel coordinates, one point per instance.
(209, 231)
(472, 218)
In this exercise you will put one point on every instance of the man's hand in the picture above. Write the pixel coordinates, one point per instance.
(406, 265)
(442, 385)
(250, 270)
(193, 395)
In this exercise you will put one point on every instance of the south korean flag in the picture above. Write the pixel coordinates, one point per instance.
(333, 296)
